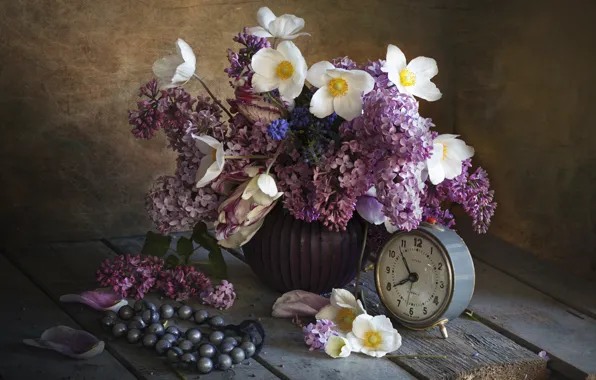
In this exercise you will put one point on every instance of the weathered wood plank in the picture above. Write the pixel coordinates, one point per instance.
(285, 350)
(536, 320)
(566, 288)
(70, 268)
(26, 313)
(498, 357)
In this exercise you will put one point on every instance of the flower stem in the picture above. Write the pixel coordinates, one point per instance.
(274, 44)
(213, 96)
(244, 157)
(417, 356)
(360, 260)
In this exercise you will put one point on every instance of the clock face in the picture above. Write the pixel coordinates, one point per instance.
(413, 278)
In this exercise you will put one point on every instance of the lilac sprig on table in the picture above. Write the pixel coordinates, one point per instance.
(317, 334)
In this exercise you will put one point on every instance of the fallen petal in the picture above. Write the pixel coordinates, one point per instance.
(98, 299)
(298, 302)
(73, 343)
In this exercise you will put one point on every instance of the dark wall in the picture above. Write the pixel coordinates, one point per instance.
(515, 78)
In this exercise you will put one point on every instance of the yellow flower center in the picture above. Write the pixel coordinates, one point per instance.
(285, 70)
(337, 87)
(444, 152)
(214, 154)
(407, 77)
(372, 339)
(344, 320)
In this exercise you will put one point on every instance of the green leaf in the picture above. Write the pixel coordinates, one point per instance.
(156, 244)
(173, 261)
(205, 240)
(184, 248)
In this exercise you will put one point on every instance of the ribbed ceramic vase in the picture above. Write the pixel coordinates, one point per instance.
(289, 254)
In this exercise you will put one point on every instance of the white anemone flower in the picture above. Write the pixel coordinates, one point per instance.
(338, 347)
(374, 336)
(340, 90)
(213, 160)
(284, 69)
(262, 189)
(447, 157)
(176, 69)
(413, 78)
(342, 311)
(285, 26)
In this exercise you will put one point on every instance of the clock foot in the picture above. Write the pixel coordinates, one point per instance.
(443, 329)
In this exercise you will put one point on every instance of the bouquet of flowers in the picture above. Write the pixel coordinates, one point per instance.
(326, 141)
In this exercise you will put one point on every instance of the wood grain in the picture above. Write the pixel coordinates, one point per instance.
(285, 350)
(26, 313)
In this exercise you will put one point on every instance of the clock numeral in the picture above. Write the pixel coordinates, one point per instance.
(411, 311)
(403, 243)
(398, 303)
(424, 311)
(436, 300)
(442, 285)
(391, 253)
(388, 286)
(440, 266)
(418, 242)
(388, 269)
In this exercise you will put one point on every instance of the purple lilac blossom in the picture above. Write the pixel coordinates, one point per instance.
(317, 334)
(222, 297)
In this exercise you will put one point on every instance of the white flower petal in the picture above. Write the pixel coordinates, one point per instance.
(294, 36)
(355, 342)
(337, 347)
(425, 89)
(289, 89)
(219, 156)
(329, 312)
(317, 74)
(343, 299)
(261, 83)
(285, 25)
(251, 188)
(390, 227)
(396, 59)
(361, 325)
(452, 168)
(382, 323)
(321, 104)
(361, 81)
(267, 185)
(165, 68)
(291, 53)
(183, 73)
(185, 51)
(212, 172)
(265, 62)
(444, 138)
(372, 192)
(242, 236)
(205, 140)
(436, 173)
(265, 16)
(359, 308)
(258, 31)
(458, 150)
(423, 67)
(436, 155)
(348, 106)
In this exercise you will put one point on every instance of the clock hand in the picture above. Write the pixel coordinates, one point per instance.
(402, 281)
(409, 294)
(405, 262)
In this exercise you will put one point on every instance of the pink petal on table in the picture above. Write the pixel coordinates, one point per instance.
(76, 344)
(97, 299)
(298, 302)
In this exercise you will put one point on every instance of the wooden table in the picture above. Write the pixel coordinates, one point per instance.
(501, 347)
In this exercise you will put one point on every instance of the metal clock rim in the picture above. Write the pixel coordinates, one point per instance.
(430, 323)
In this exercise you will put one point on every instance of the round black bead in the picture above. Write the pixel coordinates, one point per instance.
(184, 312)
(224, 362)
(205, 365)
(249, 348)
(174, 354)
(201, 316)
(187, 360)
(140, 325)
(174, 331)
(170, 338)
(237, 355)
(226, 348)
(217, 322)
(162, 346)
(166, 311)
(119, 329)
(110, 314)
(139, 306)
(146, 315)
(126, 312)
(155, 317)
(149, 340)
(134, 335)
(231, 340)
(150, 306)
(107, 322)
(193, 335)
(186, 345)
(206, 351)
(156, 328)
(216, 337)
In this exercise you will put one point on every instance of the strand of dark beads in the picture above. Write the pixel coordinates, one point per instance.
(192, 349)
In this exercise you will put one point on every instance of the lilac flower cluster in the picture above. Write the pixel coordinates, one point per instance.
(181, 283)
(239, 62)
(222, 297)
(317, 334)
(132, 276)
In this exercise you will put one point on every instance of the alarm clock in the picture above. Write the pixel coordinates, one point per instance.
(425, 277)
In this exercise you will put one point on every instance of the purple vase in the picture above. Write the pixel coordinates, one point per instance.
(289, 254)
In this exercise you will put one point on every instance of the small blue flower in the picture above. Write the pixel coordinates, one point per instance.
(278, 129)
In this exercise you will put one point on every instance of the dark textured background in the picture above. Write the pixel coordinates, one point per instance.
(515, 78)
